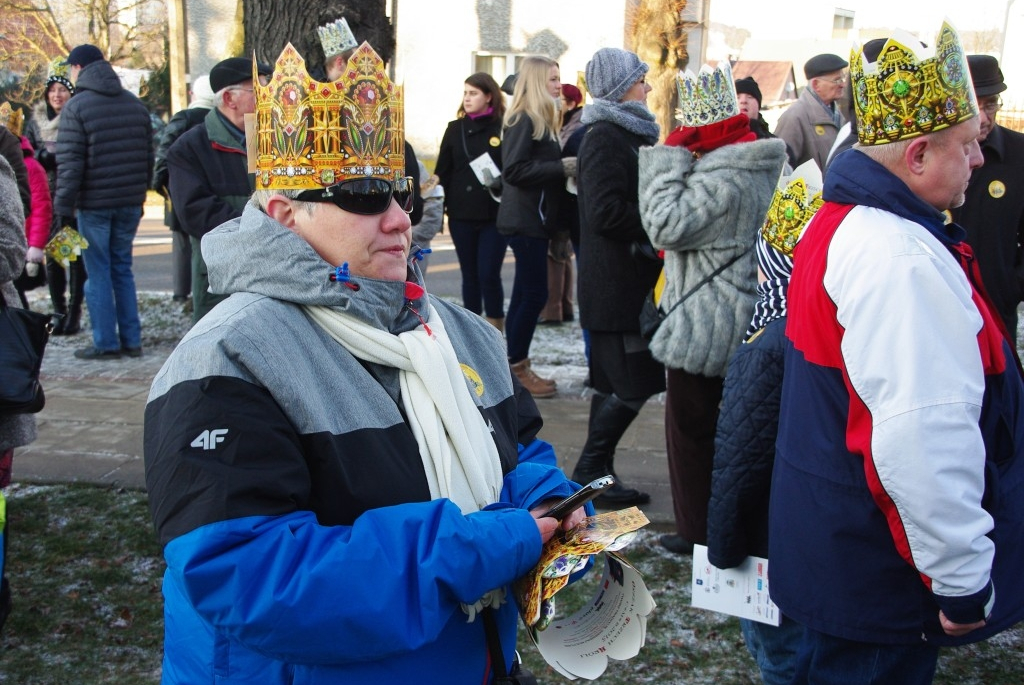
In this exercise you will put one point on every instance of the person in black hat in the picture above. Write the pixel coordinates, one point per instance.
(104, 161)
(993, 211)
(811, 124)
(208, 177)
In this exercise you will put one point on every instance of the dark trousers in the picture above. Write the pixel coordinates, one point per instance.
(481, 252)
(202, 299)
(691, 412)
(828, 660)
(529, 294)
(181, 259)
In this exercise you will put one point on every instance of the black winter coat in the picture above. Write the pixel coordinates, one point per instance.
(993, 215)
(10, 149)
(613, 278)
(534, 183)
(181, 122)
(209, 176)
(748, 423)
(465, 139)
(104, 145)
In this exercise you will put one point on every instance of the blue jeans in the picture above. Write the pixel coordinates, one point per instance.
(828, 660)
(774, 648)
(481, 252)
(529, 294)
(110, 290)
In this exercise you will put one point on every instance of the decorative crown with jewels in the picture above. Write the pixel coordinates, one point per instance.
(312, 135)
(11, 118)
(336, 37)
(910, 91)
(60, 73)
(706, 97)
(796, 199)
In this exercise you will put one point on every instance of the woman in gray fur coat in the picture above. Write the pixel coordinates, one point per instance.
(703, 197)
(19, 429)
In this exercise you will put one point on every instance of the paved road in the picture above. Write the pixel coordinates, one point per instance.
(152, 259)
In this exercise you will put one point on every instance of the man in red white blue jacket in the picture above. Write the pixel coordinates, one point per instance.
(896, 506)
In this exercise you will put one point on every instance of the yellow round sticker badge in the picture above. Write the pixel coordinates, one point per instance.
(495, 141)
(474, 379)
(996, 189)
(820, 130)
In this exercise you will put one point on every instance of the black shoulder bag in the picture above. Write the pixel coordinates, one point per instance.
(23, 336)
(519, 675)
(651, 314)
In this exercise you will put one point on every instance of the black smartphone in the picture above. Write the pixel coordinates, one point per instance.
(579, 498)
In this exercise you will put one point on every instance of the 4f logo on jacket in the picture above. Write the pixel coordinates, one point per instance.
(209, 439)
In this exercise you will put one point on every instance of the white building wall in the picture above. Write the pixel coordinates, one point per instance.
(436, 43)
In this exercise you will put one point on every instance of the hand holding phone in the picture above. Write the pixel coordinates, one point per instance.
(579, 498)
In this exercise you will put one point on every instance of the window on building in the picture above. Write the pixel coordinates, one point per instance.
(842, 23)
(500, 65)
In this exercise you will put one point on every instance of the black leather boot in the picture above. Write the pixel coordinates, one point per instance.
(77, 288)
(609, 419)
(57, 282)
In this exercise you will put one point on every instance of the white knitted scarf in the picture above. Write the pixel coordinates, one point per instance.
(459, 455)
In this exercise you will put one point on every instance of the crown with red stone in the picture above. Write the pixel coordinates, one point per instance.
(910, 91)
(312, 135)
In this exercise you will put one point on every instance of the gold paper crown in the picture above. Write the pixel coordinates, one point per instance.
(11, 118)
(796, 199)
(707, 97)
(336, 37)
(909, 92)
(59, 70)
(312, 135)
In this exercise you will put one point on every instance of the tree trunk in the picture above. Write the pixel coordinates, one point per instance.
(658, 35)
(272, 24)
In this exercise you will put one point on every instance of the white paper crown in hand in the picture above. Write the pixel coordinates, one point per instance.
(336, 37)
(708, 96)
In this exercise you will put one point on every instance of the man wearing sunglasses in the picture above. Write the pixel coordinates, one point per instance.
(207, 172)
(343, 471)
(811, 124)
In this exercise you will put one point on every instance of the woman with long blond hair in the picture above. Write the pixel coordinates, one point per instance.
(534, 173)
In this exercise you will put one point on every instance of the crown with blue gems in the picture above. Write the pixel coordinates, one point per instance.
(910, 91)
(336, 37)
(311, 135)
(796, 199)
(11, 118)
(706, 97)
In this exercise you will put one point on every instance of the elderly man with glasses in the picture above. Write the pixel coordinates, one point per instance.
(342, 469)
(811, 124)
(208, 178)
(993, 212)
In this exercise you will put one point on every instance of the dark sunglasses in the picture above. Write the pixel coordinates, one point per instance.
(364, 195)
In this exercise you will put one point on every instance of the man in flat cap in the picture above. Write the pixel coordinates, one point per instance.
(209, 178)
(104, 161)
(993, 212)
(811, 124)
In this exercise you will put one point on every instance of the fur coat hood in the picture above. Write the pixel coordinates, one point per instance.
(703, 213)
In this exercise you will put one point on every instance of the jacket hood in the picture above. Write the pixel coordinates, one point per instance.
(99, 77)
(853, 178)
(256, 254)
(26, 148)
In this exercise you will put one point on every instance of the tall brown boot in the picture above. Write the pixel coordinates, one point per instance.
(540, 388)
